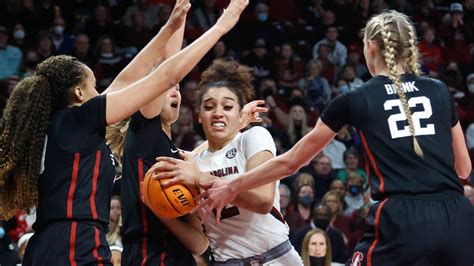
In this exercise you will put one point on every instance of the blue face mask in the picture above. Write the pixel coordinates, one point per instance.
(2, 232)
(262, 17)
(355, 190)
(306, 200)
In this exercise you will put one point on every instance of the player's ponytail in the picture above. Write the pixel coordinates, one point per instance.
(115, 136)
(23, 129)
(395, 36)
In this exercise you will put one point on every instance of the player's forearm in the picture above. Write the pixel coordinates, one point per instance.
(152, 54)
(175, 43)
(191, 237)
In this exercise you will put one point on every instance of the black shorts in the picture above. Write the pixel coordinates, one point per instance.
(418, 230)
(68, 243)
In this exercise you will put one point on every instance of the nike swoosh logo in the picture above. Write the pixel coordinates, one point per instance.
(174, 151)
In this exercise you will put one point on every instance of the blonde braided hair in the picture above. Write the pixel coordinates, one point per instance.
(393, 33)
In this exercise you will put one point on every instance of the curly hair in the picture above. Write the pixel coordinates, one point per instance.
(231, 75)
(23, 129)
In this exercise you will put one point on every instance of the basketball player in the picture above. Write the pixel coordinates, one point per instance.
(252, 229)
(416, 151)
(59, 102)
(147, 239)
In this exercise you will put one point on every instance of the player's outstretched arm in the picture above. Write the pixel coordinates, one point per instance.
(123, 103)
(223, 192)
(156, 51)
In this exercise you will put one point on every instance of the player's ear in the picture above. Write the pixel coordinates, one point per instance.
(372, 47)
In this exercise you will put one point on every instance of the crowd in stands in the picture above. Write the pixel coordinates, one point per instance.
(303, 54)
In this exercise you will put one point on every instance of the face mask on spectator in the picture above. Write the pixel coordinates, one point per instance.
(58, 30)
(2, 232)
(262, 16)
(306, 200)
(315, 261)
(470, 88)
(355, 190)
(321, 223)
(19, 34)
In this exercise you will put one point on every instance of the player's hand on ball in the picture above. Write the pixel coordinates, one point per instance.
(177, 171)
(214, 200)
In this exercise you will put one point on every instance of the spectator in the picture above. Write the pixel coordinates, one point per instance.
(260, 61)
(218, 52)
(62, 41)
(297, 124)
(299, 211)
(20, 38)
(317, 90)
(354, 197)
(338, 51)
(339, 187)
(321, 219)
(349, 75)
(10, 56)
(457, 36)
(29, 64)
(470, 136)
(466, 103)
(109, 63)
(149, 12)
(316, 249)
(329, 68)
(285, 198)
(207, 14)
(8, 254)
(101, 24)
(351, 161)
(262, 27)
(432, 56)
(335, 150)
(339, 221)
(45, 46)
(323, 174)
(184, 135)
(115, 222)
(83, 52)
(137, 35)
(288, 67)
(354, 60)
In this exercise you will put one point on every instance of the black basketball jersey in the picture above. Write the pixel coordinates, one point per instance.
(145, 141)
(78, 175)
(393, 167)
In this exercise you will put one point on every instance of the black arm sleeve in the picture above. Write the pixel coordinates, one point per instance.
(337, 113)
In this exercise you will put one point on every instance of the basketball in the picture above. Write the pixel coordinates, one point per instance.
(174, 201)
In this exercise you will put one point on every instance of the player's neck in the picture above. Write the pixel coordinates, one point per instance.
(215, 145)
(167, 129)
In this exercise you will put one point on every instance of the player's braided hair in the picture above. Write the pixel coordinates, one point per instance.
(230, 74)
(115, 136)
(23, 129)
(395, 36)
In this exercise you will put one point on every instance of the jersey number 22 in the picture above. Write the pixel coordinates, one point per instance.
(426, 113)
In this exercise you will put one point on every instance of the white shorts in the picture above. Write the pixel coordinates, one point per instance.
(289, 259)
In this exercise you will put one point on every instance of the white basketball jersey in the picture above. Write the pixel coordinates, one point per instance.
(241, 233)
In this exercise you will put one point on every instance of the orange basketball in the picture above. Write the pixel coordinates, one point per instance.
(170, 202)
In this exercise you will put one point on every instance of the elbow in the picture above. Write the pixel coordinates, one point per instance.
(464, 172)
(264, 207)
(200, 248)
(290, 167)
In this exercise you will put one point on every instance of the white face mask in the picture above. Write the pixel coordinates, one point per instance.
(470, 88)
(19, 34)
(58, 29)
